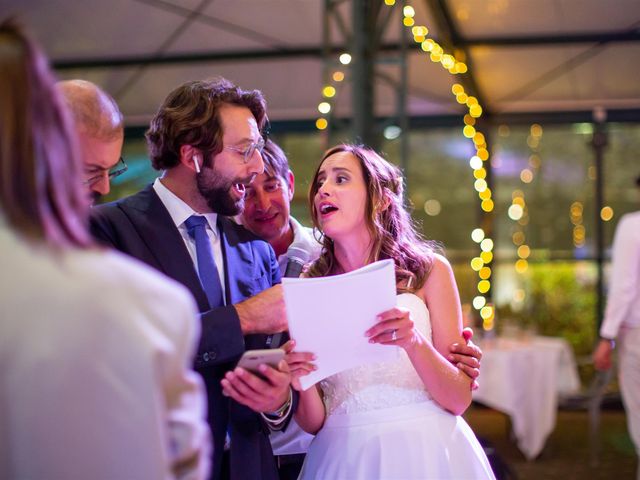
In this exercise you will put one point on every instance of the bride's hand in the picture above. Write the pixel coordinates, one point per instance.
(394, 327)
(300, 363)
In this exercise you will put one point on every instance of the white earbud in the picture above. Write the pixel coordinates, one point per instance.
(195, 163)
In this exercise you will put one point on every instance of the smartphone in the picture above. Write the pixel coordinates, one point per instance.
(252, 358)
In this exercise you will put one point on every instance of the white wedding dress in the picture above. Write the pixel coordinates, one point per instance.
(383, 424)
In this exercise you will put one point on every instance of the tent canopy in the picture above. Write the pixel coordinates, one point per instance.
(524, 56)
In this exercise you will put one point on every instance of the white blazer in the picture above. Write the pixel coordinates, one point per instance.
(95, 368)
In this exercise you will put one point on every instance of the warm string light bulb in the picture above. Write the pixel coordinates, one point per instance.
(579, 232)
(518, 211)
(606, 213)
(329, 92)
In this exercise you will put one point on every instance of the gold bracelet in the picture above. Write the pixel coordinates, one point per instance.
(279, 413)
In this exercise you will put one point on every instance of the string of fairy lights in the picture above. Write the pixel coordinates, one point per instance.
(519, 211)
(455, 66)
(576, 211)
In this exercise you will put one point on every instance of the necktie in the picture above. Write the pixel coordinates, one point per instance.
(209, 278)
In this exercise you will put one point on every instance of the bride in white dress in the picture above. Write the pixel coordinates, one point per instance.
(399, 419)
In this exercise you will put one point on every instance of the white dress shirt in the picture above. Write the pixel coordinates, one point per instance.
(180, 212)
(96, 351)
(623, 304)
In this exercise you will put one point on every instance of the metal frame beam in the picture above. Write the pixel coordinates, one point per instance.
(553, 40)
(599, 144)
(364, 54)
(369, 22)
(317, 52)
(450, 121)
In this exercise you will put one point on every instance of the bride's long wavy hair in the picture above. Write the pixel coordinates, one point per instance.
(392, 229)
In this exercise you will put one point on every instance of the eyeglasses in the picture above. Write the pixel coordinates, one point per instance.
(115, 171)
(248, 151)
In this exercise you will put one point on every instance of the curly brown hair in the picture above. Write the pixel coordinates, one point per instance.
(190, 116)
(392, 229)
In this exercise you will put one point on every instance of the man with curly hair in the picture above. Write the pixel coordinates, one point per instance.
(206, 139)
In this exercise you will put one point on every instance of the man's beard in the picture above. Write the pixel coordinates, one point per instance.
(217, 194)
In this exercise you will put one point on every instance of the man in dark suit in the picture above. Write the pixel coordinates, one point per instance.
(206, 139)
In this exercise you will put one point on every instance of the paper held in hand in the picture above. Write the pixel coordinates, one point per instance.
(328, 316)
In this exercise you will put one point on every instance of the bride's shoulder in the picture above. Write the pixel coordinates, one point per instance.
(440, 276)
(440, 260)
(439, 266)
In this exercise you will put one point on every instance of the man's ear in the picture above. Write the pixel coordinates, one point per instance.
(191, 158)
(291, 184)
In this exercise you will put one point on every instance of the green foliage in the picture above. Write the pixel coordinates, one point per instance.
(560, 301)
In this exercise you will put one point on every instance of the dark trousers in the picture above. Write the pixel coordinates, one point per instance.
(225, 470)
(289, 466)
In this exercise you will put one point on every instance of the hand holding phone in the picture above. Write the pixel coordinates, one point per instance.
(261, 392)
(251, 359)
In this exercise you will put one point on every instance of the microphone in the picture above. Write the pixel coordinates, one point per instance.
(298, 256)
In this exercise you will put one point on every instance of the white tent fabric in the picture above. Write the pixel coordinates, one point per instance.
(527, 56)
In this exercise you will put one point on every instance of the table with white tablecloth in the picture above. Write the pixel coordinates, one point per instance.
(524, 379)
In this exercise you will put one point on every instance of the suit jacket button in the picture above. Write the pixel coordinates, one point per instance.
(212, 355)
(205, 356)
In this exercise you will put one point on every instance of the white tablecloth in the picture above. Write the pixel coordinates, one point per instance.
(524, 380)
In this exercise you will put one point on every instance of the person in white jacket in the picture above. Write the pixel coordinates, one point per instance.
(621, 323)
(95, 348)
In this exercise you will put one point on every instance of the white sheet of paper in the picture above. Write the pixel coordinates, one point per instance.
(329, 316)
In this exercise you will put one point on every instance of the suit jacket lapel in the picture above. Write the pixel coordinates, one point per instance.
(153, 223)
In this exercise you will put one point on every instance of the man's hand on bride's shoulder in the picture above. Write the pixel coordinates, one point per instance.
(467, 356)
(300, 363)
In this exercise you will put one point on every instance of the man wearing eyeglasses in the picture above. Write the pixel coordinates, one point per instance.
(206, 140)
(99, 125)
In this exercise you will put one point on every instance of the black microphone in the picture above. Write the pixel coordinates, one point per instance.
(298, 257)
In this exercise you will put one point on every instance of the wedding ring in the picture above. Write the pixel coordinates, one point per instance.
(394, 337)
